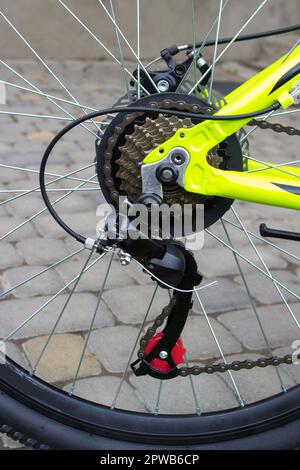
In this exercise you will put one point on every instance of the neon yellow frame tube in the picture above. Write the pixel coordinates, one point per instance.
(273, 187)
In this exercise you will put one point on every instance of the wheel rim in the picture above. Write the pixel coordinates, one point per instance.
(36, 346)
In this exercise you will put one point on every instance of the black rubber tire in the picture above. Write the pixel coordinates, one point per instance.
(44, 417)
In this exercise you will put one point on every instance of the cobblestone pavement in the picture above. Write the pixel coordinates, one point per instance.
(39, 243)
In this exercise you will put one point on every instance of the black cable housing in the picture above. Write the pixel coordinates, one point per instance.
(131, 109)
(246, 37)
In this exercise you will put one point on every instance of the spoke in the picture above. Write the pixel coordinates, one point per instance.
(253, 306)
(36, 312)
(34, 367)
(199, 50)
(255, 127)
(58, 190)
(114, 402)
(41, 116)
(34, 216)
(101, 43)
(39, 58)
(237, 392)
(47, 97)
(157, 403)
(253, 235)
(136, 54)
(269, 276)
(191, 380)
(91, 324)
(273, 167)
(266, 268)
(215, 50)
(29, 191)
(28, 279)
(138, 49)
(229, 45)
(30, 170)
(120, 49)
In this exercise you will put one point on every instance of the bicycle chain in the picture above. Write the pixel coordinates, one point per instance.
(234, 366)
(275, 127)
(209, 368)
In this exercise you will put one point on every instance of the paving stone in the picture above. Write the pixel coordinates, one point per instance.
(293, 370)
(223, 296)
(77, 316)
(14, 352)
(92, 280)
(9, 443)
(42, 137)
(256, 384)
(10, 223)
(199, 342)
(61, 358)
(278, 325)
(29, 157)
(103, 390)
(9, 256)
(112, 346)
(220, 261)
(45, 284)
(177, 396)
(27, 206)
(137, 273)
(264, 291)
(82, 222)
(8, 175)
(42, 250)
(130, 303)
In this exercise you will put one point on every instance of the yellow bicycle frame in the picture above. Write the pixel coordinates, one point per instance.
(270, 186)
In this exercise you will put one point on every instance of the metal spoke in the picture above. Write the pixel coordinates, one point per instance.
(199, 50)
(133, 349)
(34, 276)
(120, 48)
(41, 211)
(237, 392)
(157, 403)
(39, 58)
(42, 116)
(30, 170)
(136, 54)
(267, 269)
(47, 97)
(45, 304)
(254, 266)
(193, 388)
(101, 43)
(29, 191)
(257, 237)
(34, 367)
(91, 324)
(253, 306)
(273, 167)
(215, 51)
(138, 50)
(228, 45)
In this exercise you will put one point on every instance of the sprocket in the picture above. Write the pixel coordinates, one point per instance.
(131, 136)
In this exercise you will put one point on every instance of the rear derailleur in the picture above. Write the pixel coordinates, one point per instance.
(174, 268)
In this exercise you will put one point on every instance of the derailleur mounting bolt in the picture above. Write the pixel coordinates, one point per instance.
(125, 258)
(163, 354)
